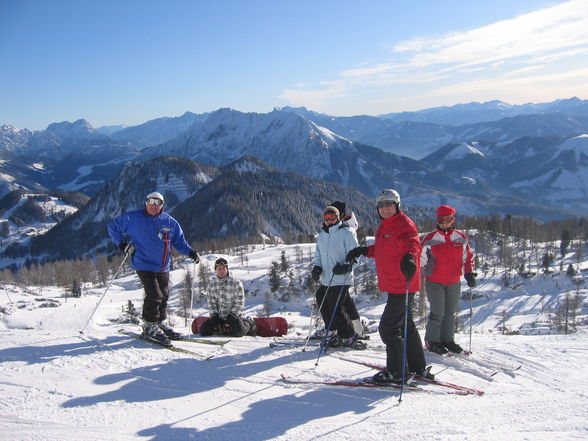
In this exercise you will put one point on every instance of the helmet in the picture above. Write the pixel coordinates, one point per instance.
(389, 195)
(156, 195)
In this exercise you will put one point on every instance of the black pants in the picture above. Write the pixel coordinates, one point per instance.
(156, 287)
(233, 326)
(392, 332)
(342, 320)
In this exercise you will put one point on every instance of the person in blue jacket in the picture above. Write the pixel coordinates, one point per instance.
(335, 240)
(147, 235)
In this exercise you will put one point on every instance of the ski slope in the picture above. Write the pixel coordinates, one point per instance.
(57, 384)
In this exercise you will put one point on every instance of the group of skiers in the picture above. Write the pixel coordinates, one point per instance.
(147, 236)
(444, 254)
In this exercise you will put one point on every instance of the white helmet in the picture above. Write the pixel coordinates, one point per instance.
(389, 195)
(156, 195)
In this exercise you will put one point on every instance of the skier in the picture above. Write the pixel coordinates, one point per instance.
(146, 235)
(445, 257)
(397, 250)
(335, 240)
(350, 221)
(225, 302)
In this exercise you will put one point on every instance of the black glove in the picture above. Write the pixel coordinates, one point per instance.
(471, 279)
(355, 253)
(408, 266)
(316, 273)
(127, 248)
(194, 256)
(342, 268)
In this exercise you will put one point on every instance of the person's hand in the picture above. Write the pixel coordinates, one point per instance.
(127, 248)
(408, 266)
(316, 273)
(194, 256)
(355, 253)
(471, 279)
(342, 268)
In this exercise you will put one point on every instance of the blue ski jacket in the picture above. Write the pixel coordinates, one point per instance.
(152, 237)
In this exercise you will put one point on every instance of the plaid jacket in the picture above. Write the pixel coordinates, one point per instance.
(225, 296)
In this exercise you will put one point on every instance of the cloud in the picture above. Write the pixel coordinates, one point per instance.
(533, 48)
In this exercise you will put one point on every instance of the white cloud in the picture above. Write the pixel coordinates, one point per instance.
(539, 48)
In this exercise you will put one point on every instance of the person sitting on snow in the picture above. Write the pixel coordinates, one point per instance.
(225, 303)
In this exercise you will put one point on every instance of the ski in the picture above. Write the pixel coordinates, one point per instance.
(469, 390)
(364, 382)
(203, 341)
(291, 342)
(171, 348)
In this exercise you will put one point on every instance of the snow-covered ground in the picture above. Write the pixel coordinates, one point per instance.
(57, 384)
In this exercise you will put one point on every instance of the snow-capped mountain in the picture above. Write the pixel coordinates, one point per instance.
(77, 132)
(545, 170)
(290, 142)
(25, 215)
(84, 233)
(245, 199)
(474, 112)
(158, 130)
(416, 135)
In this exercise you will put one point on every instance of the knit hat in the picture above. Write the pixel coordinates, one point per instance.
(221, 261)
(341, 206)
(445, 210)
(332, 210)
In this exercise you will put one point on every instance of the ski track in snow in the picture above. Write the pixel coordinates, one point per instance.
(58, 385)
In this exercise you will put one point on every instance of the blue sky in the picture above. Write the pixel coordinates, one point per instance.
(129, 61)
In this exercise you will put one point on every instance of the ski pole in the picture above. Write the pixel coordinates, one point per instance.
(404, 343)
(105, 291)
(315, 316)
(331, 320)
(471, 317)
(192, 295)
(319, 312)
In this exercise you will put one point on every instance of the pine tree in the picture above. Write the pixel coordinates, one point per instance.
(284, 264)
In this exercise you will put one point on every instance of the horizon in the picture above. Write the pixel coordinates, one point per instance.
(114, 63)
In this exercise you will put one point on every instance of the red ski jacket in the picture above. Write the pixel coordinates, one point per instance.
(396, 236)
(446, 256)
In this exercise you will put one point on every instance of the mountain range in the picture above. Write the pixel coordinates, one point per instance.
(517, 162)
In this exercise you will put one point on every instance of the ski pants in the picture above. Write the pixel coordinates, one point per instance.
(337, 296)
(232, 326)
(443, 300)
(392, 332)
(156, 286)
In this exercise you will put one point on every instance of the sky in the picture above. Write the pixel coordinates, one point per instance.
(127, 62)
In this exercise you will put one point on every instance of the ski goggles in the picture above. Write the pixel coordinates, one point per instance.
(382, 204)
(445, 219)
(329, 217)
(154, 201)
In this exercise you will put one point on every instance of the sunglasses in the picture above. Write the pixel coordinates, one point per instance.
(330, 217)
(445, 219)
(154, 201)
(382, 204)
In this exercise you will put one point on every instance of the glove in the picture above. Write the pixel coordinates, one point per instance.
(127, 248)
(408, 266)
(471, 279)
(355, 253)
(342, 268)
(316, 273)
(194, 256)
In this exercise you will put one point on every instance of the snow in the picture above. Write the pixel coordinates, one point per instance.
(57, 384)
(462, 151)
